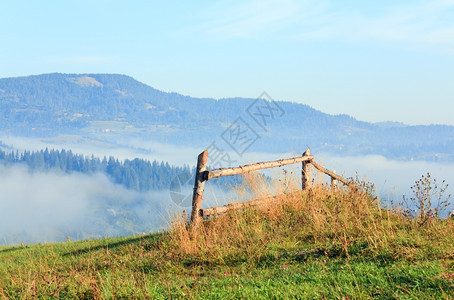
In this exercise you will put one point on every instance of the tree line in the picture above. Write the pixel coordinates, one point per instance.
(137, 174)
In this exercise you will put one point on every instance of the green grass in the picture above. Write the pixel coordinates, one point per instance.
(314, 245)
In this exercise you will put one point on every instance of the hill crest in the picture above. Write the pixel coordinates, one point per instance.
(95, 104)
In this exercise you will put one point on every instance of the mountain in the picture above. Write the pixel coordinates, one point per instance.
(108, 106)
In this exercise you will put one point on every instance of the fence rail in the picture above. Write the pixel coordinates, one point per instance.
(234, 206)
(257, 166)
(203, 175)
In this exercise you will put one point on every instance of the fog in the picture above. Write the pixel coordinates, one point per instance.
(129, 148)
(50, 207)
(392, 179)
(121, 148)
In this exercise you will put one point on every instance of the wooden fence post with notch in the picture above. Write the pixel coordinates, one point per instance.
(333, 181)
(305, 172)
(199, 186)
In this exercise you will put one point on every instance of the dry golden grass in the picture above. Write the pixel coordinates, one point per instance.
(338, 220)
(317, 244)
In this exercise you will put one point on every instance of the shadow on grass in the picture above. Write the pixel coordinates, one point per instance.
(13, 248)
(114, 245)
(106, 244)
(357, 251)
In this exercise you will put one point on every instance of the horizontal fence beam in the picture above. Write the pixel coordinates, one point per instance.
(254, 167)
(234, 206)
(332, 174)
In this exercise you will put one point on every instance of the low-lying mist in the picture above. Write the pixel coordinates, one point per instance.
(392, 179)
(48, 207)
(52, 207)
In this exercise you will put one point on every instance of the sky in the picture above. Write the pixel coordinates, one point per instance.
(374, 60)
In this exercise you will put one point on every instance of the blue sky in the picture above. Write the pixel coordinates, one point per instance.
(374, 60)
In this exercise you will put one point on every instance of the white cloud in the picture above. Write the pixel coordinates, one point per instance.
(248, 19)
(421, 23)
(424, 23)
(253, 17)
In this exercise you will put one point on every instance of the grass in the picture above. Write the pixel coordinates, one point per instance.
(310, 245)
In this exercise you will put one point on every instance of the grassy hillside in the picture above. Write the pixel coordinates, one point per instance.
(317, 244)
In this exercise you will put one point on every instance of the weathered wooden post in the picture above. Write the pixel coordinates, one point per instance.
(199, 186)
(305, 172)
(333, 182)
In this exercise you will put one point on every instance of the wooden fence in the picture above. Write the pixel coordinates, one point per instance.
(203, 175)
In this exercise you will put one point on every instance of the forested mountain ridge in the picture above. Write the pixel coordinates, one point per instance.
(105, 105)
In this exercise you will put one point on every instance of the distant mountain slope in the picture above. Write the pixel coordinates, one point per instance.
(111, 105)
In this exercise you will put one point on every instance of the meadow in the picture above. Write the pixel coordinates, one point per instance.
(320, 243)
